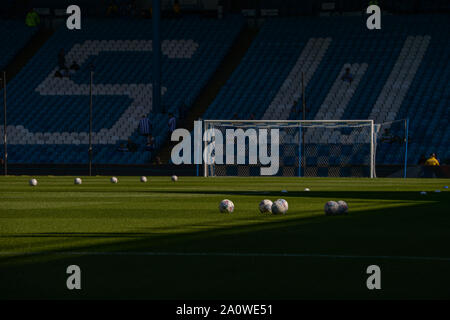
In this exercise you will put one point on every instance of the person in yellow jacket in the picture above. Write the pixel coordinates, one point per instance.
(432, 161)
(32, 19)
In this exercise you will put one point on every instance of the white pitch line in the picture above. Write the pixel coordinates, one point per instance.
(223, 254)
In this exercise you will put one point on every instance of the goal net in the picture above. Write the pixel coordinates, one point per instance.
(391, 148)
(305, 148)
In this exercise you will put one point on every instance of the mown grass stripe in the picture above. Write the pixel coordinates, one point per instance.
(224, 254)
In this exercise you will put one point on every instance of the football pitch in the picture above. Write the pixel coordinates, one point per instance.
(168, 240)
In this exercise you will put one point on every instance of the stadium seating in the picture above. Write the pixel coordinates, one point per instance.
(399, 72)
(48, 117)
(14, 35)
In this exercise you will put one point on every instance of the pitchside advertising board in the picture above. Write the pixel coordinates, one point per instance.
(74, 20)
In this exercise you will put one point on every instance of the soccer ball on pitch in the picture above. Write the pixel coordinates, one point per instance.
(280, 206)
(174, 178)
(143, 179)
(265, 206)
(114, 180)
(331, 208)
(307, 189)
(77, 181)
(226, 206)
(343, 207)
(33, 182)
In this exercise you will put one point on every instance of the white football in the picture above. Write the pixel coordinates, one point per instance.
(307, 189)
(33, 182)
(331, 208)
(143, 179)
(114, 180)
(343, 207)
(265, 206)
(174, 178)
(226, 206)
(280, 206)
(77, 181)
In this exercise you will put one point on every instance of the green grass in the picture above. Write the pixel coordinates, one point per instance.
(46, 228)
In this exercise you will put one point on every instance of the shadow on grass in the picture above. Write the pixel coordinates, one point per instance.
(413, 230)
(384, 230)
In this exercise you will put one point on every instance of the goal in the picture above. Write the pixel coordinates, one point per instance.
(303, 148)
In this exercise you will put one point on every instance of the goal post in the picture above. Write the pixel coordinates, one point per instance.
(391, 145)
(303, 148)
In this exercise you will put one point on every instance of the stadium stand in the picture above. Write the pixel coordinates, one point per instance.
(399, 72)
(48, 117)
(14, 35)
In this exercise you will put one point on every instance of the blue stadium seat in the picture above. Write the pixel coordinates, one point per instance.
(50, 116)
(255, 83)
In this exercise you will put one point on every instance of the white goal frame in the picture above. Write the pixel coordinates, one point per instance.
(301, 123)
